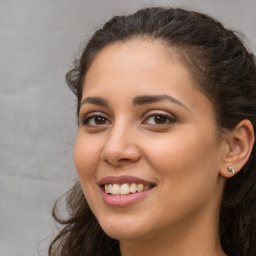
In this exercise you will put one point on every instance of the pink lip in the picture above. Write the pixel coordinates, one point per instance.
(124, 200)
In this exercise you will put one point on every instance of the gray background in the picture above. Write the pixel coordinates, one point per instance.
(38, 39)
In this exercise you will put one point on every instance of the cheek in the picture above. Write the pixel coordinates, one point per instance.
(86, 157)
(185, 156)
(187, 168)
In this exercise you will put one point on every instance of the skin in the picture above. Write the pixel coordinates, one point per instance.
(182, 156)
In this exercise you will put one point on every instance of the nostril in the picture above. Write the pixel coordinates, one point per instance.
(124, 160)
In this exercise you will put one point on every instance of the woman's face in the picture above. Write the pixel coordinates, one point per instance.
(147, 153)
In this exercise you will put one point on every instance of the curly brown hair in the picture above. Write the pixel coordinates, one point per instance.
(225, 72)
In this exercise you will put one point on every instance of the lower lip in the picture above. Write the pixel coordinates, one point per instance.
(124, 200)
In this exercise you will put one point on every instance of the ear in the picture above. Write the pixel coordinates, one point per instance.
(237, 148)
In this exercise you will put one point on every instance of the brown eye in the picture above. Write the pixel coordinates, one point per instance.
(100, 120)
(95, 120)
(159, 119)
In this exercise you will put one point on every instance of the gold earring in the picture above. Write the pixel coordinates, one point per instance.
(230, 169)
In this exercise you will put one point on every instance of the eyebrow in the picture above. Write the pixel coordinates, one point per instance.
(139, 100)
(147, 99)
(95, 100)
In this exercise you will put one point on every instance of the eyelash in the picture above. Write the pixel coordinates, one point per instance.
(167, 119)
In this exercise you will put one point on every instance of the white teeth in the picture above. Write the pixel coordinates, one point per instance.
(110, 189)
(125, 189)
(106, 188)
(116, 189)
(133, 188)
(140, 188)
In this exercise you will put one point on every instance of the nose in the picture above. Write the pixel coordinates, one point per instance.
(120, 147)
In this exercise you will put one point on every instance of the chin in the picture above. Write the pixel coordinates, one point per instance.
(122, 229)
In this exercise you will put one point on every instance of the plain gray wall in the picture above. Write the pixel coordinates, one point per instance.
(38, 39)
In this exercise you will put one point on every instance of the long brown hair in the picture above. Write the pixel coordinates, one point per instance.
(225, 72)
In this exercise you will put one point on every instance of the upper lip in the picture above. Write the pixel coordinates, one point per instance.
(123, 179)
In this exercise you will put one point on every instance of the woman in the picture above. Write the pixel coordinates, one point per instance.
(165, 149)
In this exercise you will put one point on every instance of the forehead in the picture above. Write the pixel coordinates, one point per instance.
(136, 51)
(134, 63)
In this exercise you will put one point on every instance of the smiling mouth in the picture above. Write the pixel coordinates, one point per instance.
(125, 189)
